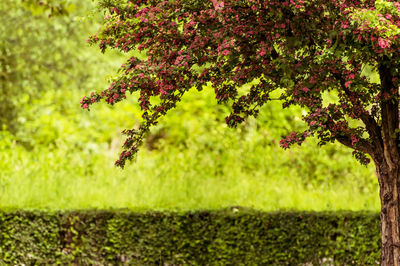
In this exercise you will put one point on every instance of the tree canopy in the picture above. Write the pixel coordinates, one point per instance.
(305, 50)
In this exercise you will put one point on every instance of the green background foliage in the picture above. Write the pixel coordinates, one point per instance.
(232, 236)
(39, 52)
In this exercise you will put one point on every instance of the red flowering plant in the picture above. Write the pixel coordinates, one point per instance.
(302, 49)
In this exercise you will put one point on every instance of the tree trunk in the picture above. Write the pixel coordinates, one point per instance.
(389, 185)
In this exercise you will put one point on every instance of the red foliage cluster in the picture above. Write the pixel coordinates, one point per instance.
(302, 48)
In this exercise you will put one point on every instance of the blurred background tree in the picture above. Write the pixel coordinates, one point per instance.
(33, 42)
(40, 51)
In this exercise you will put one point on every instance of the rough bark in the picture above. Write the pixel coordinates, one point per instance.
(389, 183)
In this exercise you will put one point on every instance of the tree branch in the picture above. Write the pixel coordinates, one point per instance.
(371, 125)
(362, 145)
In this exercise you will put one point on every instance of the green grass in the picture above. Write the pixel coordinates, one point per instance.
(168, 181)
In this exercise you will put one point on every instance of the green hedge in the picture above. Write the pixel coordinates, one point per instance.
(233, 236)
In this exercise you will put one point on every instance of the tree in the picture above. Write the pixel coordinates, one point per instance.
(302, 49)
(34, 53)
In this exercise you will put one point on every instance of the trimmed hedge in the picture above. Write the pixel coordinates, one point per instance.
(233, 236)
